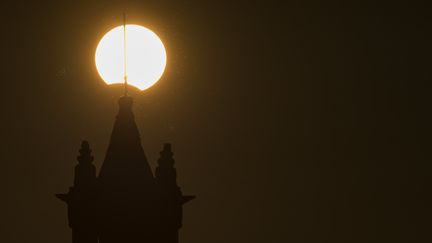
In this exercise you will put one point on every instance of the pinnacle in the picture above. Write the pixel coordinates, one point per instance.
(85, 153)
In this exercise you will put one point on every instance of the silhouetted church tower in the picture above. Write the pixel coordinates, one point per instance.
(125, 203)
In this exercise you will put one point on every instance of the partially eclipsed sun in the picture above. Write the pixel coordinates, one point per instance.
(145, 56)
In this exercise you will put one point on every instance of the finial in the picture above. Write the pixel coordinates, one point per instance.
(85, 155)
(166, 150)
(124, 55)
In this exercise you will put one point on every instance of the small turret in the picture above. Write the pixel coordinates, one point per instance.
(171, 198)
(85, 171)
(166, 175)
(81, 198)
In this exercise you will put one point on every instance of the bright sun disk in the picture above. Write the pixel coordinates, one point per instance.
(145, 56)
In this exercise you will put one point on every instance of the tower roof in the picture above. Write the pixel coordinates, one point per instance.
(125, 166)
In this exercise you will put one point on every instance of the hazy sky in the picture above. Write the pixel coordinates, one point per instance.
(290, 122)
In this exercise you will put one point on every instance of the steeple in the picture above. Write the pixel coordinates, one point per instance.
(125, 166)
(125, 203)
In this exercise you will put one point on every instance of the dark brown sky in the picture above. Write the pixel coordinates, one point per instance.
(290, 122)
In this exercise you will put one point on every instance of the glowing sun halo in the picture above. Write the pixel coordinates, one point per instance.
(145, 56)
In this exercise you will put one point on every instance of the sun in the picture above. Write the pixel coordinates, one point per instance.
(145, 56)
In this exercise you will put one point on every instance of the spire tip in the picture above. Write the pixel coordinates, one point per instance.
(124, 47)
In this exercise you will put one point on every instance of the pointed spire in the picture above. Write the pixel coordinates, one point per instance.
(124, 56)
(125, 165)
